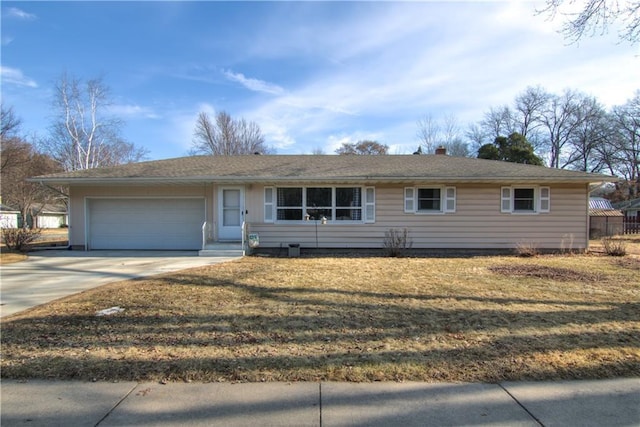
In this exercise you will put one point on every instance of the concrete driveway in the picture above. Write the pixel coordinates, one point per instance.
(49, 275)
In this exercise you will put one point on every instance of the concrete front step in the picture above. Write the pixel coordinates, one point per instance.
(222, 249)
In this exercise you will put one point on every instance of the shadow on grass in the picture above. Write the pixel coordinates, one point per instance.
(353, 335)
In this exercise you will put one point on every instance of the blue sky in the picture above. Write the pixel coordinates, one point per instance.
(311, 74)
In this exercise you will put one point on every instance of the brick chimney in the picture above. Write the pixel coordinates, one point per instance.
(441, 151)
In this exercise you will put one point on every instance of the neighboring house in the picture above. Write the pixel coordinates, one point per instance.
(604, 219)
(51, 216)
(630, 208)
(444, 202)
(9, 217)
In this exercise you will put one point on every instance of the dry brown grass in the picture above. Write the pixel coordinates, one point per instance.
(7, 257)
(49, 237)
(344, 319)
(630, 241)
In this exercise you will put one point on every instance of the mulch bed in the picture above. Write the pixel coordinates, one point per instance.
(546, 272)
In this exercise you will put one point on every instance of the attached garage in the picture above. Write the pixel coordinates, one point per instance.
(145, 223)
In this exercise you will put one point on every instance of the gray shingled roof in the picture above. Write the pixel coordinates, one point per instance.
(325, 168)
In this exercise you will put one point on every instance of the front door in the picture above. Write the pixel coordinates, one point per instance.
(230, 213)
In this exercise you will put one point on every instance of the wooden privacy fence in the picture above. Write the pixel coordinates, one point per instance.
(631, 225)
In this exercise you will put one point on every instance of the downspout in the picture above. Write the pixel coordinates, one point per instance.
(589, 218)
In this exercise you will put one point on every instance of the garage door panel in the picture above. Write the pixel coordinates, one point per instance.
(146, 223)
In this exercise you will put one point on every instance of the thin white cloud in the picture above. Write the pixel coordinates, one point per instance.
(15, 76)
(6, 40)
(177, 130)
(14, 12)
(133, 111)
(435, 62)
(277, 135)
(255, 85)
(204, 107)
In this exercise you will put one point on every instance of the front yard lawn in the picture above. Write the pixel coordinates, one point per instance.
(50, 237)
(344, 319)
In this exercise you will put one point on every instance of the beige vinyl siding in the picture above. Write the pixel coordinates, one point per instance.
(476, 224)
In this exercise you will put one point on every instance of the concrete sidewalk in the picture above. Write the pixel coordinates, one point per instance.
(613, 402)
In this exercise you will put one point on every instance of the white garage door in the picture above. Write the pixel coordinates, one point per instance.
(146, 223)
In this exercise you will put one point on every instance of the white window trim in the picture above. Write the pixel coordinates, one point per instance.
(539, 200)
(364, 191)
(448, 202)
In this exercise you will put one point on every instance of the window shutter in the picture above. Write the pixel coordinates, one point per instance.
(545, 200)
(450, 199)
(268, 204)
(505, 199)
(369, 204)
(409, 200)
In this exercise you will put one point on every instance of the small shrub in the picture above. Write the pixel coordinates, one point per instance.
(527, 250)
(613, 247)
(396, 241)
(19, 239)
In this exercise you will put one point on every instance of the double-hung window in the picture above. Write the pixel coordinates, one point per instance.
(319, 203)
(430, 199)
(289, 204)
(348, 204)
(525, 200)
(356, 204)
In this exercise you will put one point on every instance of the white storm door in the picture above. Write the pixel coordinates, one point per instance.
(230, 213)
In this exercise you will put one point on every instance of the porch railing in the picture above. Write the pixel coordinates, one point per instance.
(207, 234)
(244, 225)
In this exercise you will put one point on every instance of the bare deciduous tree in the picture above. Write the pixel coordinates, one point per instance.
(84, 135)
(446, 134)
(19, 162)
(476, 135)
(528, 110)
(590, 132)
(499, 122)
(9, 122)
(12, 152)
(626, 143)
(428, 133)
(227, 136)
(450, 129)
(574, 131)
(559, 120)
(596, 16)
